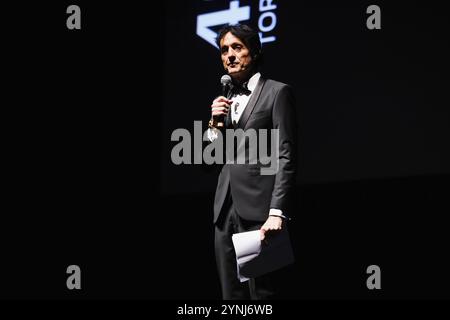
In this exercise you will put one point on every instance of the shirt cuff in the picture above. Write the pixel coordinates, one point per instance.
(212, 134)
(277, 213)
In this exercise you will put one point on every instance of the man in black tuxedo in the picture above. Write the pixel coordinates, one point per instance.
(245, 199)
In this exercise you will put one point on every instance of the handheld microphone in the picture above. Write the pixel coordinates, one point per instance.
(227, 84)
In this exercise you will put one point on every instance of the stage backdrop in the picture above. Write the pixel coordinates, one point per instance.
(370, 102)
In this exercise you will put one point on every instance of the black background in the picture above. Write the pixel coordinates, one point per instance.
(87, 177)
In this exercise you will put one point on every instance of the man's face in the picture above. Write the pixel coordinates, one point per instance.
(236, 57)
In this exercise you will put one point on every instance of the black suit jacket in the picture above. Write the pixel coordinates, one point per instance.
(271, 106)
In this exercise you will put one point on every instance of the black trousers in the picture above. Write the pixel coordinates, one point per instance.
(228, 223)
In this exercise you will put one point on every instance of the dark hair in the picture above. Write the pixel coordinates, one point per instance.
(248, 36)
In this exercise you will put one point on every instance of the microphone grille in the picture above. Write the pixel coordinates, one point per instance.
(225, 80)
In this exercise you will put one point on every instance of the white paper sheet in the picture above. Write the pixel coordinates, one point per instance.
(247, 246)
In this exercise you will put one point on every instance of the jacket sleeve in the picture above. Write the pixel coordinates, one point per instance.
(284, 119)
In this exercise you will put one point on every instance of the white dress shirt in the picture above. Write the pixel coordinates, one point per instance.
(240, 101)
(237, 107)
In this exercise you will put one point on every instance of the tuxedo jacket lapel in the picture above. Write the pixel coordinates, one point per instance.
(251, 103)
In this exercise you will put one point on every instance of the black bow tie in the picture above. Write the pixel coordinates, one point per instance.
(241, 89)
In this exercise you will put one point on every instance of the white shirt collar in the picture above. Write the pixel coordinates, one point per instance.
(253, 81)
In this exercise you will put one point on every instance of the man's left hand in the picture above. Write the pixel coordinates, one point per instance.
(272, 224)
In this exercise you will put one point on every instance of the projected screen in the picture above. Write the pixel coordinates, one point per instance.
(368, 100)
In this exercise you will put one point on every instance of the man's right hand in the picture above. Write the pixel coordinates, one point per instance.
(220, 107)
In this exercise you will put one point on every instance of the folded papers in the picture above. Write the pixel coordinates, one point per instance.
(255, 257)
